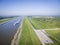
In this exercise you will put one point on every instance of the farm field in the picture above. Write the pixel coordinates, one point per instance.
(51, 24)
(45, 22)
(28, 36)
(54, 35)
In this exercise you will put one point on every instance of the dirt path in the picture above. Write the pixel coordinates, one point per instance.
(43, 37)
(50, 29)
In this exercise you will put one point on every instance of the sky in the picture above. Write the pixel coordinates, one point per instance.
(29, 7)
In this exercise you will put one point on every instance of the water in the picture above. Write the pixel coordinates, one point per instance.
(8, 30)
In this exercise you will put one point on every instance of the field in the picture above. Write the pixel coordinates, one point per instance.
(48, 23)
(28, 36)
(45, 22)
(55, 36)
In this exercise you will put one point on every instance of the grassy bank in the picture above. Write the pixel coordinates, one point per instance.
(54, 35)
(5, 20)
(28, 36)
(16, 36)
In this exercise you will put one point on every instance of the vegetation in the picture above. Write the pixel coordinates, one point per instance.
(45, 22)
(5, 20)
(58, 22)
(48, 23)
(54, 35)
(28, 36)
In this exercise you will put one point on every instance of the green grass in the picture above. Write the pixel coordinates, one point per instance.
(45, 23)
(55, 36)
(5, 20)
(28, 36)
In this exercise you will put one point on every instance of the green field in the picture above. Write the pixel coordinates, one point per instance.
(55, 36)
(48, 23)
(28, 36)
(45, 23)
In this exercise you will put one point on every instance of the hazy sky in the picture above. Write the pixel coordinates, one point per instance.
(29, 7)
